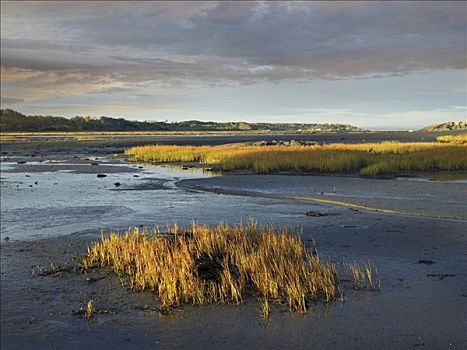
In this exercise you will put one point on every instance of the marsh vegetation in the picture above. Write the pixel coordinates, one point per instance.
(203, 264)
(364, 277)
(363, 158)
(456, 139)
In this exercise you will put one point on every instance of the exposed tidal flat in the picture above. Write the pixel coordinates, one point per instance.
(53, 206)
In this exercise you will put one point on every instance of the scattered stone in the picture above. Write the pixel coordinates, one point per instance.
(33, 320)
(440, 275)
(92, 279)
(21, 162)
(260, 143)
(94, 163)
(35, 182)
(101, 175)
(185, 168)
(135, 175)
(118, 184)
(53, 270)
(315, 214)
(21, 250)
(426, 262)
(295, 143)
(6, 238)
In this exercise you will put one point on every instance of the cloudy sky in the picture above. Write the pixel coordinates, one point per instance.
(371, 64)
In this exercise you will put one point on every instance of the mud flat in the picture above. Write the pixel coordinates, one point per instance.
(403, 196)
(412, 231)
(40, 145)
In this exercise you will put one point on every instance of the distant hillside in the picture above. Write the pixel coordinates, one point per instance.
(448, 126)
(11, 120)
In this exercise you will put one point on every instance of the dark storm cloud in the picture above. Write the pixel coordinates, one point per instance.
(113, 44)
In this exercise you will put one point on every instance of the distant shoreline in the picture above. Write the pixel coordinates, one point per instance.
(13, 121)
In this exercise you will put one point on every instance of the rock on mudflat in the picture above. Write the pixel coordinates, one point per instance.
(101, 175)
(426, 262)
(315, 214)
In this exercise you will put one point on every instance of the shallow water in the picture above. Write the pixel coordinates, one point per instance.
(44, 204)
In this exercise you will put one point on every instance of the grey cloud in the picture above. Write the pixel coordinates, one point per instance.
(231, 42)
(10, 100)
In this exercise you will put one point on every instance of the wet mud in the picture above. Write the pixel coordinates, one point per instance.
(50, 216)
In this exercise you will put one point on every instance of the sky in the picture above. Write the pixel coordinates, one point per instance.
(380, 65)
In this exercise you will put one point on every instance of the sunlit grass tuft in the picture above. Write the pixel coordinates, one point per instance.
(364, 277)
(456, 139)
(90, 309)
(201, 264)
(365, 158)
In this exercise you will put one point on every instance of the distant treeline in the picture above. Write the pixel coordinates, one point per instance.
(11, 120)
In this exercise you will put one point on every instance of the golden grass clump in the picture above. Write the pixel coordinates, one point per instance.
(201, 264)
(365, 158)
(456, 139)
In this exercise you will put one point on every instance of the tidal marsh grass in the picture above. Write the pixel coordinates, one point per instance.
(90, 309)
(456, 139)
(364, 277)
(366, 158)
(202, 264)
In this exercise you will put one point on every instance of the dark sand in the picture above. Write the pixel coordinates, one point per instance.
(420, 305)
